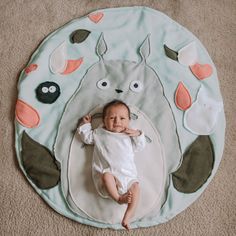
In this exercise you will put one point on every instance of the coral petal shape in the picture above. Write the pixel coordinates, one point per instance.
(26, 115)
(72, 65)
(96, 17)
(182, 97)
(201, 71)
(31, 68)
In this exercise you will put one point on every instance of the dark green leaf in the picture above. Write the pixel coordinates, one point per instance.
(79, 36)
(197, 165)
(171, 53)
(39, 163)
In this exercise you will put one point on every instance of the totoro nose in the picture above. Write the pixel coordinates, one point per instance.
(119, 91)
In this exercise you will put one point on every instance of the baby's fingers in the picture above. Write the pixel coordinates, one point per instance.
(132, 132)
(87, 118)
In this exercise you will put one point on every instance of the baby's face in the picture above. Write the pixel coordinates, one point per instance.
(116, 118)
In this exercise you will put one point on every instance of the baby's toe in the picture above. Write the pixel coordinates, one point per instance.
(125, 225)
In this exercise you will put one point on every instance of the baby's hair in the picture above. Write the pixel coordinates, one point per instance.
(114, 103)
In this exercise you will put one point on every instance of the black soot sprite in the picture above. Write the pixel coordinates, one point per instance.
(48, 92)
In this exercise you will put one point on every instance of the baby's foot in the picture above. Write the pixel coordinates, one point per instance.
(125, 224)
(125, 198)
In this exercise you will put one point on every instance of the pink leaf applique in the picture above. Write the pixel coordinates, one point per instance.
(182, 97)
(31, 68)
(201, 71)
(72, 65)
(26, 115)
(96, 17)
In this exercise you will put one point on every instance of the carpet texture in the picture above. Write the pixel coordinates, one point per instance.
(24, 24)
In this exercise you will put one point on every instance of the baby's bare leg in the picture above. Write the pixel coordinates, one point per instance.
(111, 186)
(135, 190)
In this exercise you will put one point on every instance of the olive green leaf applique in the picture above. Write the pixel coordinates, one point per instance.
(39, 163)
(79, 36)
(197, 165)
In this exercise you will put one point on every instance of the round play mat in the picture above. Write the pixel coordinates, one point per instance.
(165, 75)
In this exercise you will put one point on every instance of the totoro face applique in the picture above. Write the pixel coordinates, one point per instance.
(157, 68)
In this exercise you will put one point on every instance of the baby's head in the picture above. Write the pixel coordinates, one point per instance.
(116, 116)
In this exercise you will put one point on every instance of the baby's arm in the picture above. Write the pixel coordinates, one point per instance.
(138, 139)
(85, 130)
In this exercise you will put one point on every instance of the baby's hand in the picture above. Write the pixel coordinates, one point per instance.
(86, 119)
(132, 132)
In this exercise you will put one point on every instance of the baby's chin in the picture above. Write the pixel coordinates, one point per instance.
(117, 129)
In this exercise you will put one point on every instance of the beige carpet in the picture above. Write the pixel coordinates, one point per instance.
(23, 25)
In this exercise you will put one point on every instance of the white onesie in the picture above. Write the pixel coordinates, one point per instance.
(113, 153)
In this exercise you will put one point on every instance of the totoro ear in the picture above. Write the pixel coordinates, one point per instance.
(144, 49)
(101, 46)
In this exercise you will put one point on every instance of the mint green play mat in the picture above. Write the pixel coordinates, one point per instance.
(165, 75)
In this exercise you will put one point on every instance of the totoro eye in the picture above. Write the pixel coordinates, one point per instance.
(103, 84)
(136, 86)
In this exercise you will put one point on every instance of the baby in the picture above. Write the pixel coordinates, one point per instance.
(114, 170)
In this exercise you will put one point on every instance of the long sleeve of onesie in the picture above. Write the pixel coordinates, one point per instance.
(86, 133)
(139, 142)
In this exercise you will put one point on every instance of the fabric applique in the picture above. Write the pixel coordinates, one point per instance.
(186, 56)
(101, 47)
(79, 36)
(48, 92)
(96, 17)
(72, 65)
(145, 48)
(202, 116)
(171, 53)
(201, 71)
(182, 97)
(39, 163)
(196, 167)
(31, 68)
(59, 64)
(57, 60)
(26, 115)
